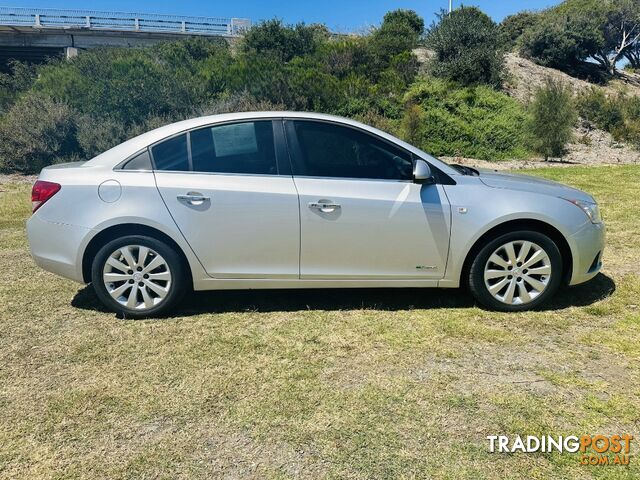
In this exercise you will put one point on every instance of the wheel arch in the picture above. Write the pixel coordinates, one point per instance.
(522, 224)
(120, 230)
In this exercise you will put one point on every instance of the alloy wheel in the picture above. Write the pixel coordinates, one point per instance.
(137, 277)
(517, 272)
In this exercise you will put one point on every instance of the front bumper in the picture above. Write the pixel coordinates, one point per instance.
(588, 248)
(55, 247)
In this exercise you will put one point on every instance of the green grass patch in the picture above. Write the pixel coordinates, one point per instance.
(344, 384)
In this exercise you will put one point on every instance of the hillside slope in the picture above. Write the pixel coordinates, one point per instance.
(525, 76)
(591, 145)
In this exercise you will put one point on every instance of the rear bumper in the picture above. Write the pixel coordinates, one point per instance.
(588, 243)
(55, 246)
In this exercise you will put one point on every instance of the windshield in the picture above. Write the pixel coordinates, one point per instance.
(465, 170)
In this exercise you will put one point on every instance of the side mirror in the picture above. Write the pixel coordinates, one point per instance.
(422, 172)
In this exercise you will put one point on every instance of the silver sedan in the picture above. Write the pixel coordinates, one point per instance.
(300, 200)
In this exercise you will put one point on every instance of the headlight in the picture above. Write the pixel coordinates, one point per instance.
(589, 208)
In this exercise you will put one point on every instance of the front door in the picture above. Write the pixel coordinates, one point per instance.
(223, 186)
(361, 215)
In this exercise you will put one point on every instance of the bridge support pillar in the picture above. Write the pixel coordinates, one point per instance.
(70, 52)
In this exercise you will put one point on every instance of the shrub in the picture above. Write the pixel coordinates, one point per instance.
(617, 114)
(127, 85)
(467, 48)
(513, 26)
(606, 113)
(97, 135)
(399, 32)
(34, 132)
(476, 122)
(238, 102)
(19, 78)
(553, 116)
(272, 37)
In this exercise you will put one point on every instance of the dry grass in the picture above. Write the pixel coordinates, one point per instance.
(345, 384)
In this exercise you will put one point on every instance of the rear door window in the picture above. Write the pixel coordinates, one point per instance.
(244, 148)
(172, 154)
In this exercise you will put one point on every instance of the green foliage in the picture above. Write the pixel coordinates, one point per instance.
(35, 132)
(399, 33)
(566, 35)
(97, 135)
(553, 116)
(594, 106)
(617, 114)
(576, 30)
(103, 97)
(513, 26)
(20, 77)
(127, 85)
(272, 37)
(476, 122)
(467, 48)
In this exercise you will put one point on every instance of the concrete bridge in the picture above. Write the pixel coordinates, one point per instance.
(34, 34)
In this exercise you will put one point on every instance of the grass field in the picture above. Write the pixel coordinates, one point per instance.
(317, 384)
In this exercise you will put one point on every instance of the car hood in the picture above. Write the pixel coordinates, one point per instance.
(526, 183)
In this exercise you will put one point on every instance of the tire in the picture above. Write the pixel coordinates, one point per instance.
(498, 284)
(138, 291)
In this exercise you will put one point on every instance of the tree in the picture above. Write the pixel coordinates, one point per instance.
(633, 55)
(399, 33)
(620, 33)
(562, 40)
(285, 42)
(577, 30)
(467, 47)
(553, 116)
(513, 26)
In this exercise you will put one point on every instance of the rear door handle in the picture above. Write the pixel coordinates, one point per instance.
(324, 207)
(194, 198)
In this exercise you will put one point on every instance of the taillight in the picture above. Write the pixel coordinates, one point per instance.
(41, 192)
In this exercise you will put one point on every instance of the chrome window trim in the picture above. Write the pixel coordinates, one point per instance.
(393, 180)
(226, 174)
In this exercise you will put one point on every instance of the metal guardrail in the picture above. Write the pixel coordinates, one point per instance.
(121, 21)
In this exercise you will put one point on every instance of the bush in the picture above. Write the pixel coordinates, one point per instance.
(399, 33)
(467, 48)
(476, 122)
(97, 135)
(19, 78)
(553, 116)
(127, 85)
(595, 107)
(617, 114)
(35, 132)
(272, 37)
(514, 26)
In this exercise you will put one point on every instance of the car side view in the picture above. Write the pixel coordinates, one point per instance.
(302, 200)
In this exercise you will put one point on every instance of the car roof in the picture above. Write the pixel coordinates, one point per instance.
(126, 149)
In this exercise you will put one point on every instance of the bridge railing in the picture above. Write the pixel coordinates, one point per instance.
(121, 21)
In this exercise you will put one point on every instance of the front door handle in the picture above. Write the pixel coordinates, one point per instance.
(194, 198)
(324, 206)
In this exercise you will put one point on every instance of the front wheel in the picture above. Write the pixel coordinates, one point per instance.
(138, 276)
(516, 271)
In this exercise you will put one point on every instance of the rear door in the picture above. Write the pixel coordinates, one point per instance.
(233, 198)
(361, 215)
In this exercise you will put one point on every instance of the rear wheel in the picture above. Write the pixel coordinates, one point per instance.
(516, 271)
(138, 276)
